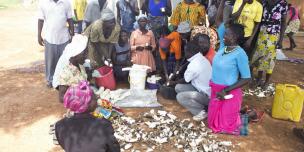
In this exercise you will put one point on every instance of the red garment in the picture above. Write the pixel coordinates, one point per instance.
(210, 55)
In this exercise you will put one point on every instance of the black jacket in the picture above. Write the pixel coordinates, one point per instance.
(84, 133)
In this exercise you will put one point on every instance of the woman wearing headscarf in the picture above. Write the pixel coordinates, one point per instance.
(142, 43)
(70, 70)
(82, 131)
(103, 34)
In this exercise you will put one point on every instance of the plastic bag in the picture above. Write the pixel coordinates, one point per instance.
(281, 55)
(139, 98)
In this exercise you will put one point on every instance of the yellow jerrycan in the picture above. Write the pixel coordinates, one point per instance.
(288, 102)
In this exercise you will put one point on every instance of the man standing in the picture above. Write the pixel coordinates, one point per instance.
(127, 10)
(249, 14)
(79, 7)
(53, 16)
(93, 11)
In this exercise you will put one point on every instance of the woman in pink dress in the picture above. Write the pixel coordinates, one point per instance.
(142, 43)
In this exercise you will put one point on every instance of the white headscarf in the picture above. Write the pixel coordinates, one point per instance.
(140, 16)
(107, 14)
(77, 46)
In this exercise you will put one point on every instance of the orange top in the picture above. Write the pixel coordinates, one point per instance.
(210, 55)
(175, 46)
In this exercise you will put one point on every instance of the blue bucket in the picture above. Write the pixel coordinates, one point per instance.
(152, 86)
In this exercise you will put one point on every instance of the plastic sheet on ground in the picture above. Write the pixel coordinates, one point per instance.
(281, 55)
(139, 98)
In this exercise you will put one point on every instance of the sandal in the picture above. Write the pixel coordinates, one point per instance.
(259, 116)
(253, 114)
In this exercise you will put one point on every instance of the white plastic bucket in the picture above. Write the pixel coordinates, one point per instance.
(137, 76)
(137, 79)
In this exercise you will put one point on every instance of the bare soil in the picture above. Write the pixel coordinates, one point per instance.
(28, 107)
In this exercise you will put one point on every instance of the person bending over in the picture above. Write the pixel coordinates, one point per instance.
(193, 90)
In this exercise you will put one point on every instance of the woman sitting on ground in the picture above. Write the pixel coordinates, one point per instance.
(142, 43)
(70, 70)
(195, 96)
(170, 51)
(122, 56)
(230, 71)
(82, 131)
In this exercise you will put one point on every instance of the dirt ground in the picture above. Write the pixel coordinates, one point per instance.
(28, 107)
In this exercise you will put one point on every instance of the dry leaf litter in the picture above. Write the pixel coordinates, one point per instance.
(261, 93)
(155, 128)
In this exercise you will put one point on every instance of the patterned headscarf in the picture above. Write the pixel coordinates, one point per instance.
(77, 98)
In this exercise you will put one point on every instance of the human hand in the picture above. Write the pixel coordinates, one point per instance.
(221, 95)
(247, 44)
(279, 44)
(149, 47)
(163, 10)
(139, 48)
(129, 63)
(171, 83)
(246, 1)
(108, 62)
(40, 40)
(94, 64)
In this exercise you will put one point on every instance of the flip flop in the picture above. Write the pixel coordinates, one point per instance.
(244, 109)
(259, 116)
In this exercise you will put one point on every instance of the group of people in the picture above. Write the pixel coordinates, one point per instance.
(208, 76)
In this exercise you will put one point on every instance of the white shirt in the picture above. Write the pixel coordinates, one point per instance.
(92, 12)
(55, 17)
(199, 73)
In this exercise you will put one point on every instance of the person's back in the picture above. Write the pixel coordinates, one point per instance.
(84, 133)
(199, 77)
